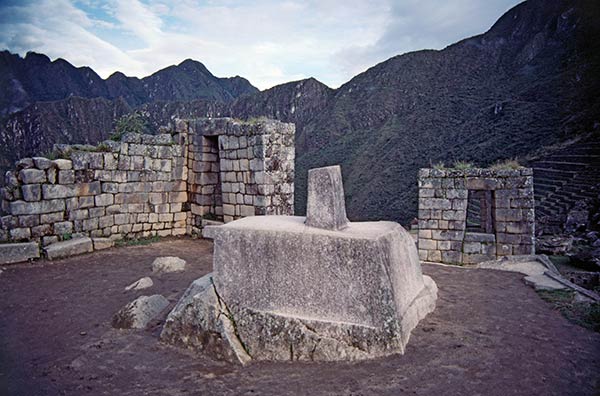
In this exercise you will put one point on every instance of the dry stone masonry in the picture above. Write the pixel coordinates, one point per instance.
(240, 169)
(285, 290)
(474, 215)
(151, 185)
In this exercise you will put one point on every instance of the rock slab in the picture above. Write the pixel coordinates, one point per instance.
(302, 293)
(18, 252)
(138, 313)
(102, 243)
(168, 264)
(140, 284)
(69, 248)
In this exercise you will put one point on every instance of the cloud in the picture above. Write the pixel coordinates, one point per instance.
(415, 24)
(267, 41)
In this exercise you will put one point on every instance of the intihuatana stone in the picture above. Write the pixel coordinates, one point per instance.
(295, 292)
(325, 207)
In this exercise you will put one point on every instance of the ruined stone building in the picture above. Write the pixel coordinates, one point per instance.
(473, 215)
(147, 185)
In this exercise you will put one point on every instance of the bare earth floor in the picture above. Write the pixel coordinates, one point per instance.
(489, 335)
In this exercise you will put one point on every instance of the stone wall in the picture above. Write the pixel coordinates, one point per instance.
(502, 201)
(249, 165)
(132, 188)
(147, 185)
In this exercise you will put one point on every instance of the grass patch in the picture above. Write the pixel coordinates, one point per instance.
(510, 164)
(439, 166)
(137, 242)
(463, 165)
(584, 314)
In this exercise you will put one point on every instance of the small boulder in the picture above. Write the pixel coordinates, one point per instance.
(138, 313)
(140, 284)
(168, 264)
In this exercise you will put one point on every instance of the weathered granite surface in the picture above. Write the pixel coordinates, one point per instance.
(325, 206)
(293, 292)
(283, 290)
(138, 313)
(18, 252)
(69, 248)
(168, 264)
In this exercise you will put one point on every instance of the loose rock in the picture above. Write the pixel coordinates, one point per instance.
(140, 284)
(138, 313)
(168, 264)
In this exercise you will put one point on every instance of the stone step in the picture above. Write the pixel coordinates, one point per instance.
(11, 253)
(69, 248)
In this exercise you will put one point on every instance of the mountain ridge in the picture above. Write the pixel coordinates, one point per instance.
(529, 81)
(36, 78)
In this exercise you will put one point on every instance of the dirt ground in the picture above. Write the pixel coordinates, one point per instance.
(489, 335)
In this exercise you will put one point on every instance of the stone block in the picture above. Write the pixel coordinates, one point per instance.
(519, 228)
(325, 206)
(435, 203)
(427, 244)
(442, 235)
(20, 234)
(451, 257)
(472, 247)
(66, 177)
(104, 200)
(92, 188)
(79, 214)
(49, 218)
(434, 256)
(508, 215)
(90, 224)
(31, 192)
(179, 196)
(68, 248)
(32, 176)
(41, 230)
(54, 191)
(63, 228)
(29, 220)
(62, 164)
(47, 240)
(479, 237)
(347, 297)
(22, 207)
(51, 175)
(41, 162)
(454, 214)
(24, 163)
(18, 252)
(102, 243)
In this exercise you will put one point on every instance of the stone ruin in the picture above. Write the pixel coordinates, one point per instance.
(475, 215)
(314, 288)
(148, 185)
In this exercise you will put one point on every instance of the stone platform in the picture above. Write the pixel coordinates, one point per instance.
(283, 290)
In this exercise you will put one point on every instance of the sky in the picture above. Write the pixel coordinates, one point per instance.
(269, 42)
